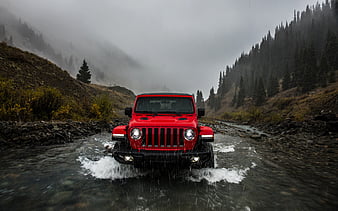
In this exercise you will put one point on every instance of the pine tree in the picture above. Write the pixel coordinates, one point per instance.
(199, 99)
(10, 41)
(332, 77)
(331, 49)
(260, 95)
(286, 81)
(220, 81)
(241, 93)
(211, 102)
(84, 74)
(323, 70)
(234, 99)
(308, 81)
(273, 87)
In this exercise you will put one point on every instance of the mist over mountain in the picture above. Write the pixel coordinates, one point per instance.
(180, 45)
(109, 64)
(298, 59)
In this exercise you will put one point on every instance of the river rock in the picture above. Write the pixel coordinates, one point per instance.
(13, 134)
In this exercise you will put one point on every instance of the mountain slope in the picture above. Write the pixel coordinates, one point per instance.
(299, 60)
(30, 72)
(108, 63)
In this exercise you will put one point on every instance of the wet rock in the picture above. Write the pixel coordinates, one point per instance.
(16, 134)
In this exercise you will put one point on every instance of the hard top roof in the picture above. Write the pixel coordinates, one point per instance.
(165, 93)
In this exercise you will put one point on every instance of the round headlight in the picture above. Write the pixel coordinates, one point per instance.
(189, 134)
(136, 134)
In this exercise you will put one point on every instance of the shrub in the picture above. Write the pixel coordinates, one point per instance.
(102, 108)
(45, 102)
(63, 113)
(95, 111)
(14, 103)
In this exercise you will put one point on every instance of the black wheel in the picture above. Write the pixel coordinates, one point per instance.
(211, 162)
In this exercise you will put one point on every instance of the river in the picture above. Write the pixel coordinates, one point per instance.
(78, 176)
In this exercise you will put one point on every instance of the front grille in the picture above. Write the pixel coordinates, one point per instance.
(163, 137)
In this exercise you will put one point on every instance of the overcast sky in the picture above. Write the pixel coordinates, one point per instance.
(185, 42)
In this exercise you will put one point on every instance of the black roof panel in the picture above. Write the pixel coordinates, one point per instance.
(165, 93)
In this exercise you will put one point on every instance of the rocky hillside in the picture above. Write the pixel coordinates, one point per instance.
(20, 70)
(286, 105)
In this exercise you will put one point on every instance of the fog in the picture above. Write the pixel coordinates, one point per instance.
(181, 44)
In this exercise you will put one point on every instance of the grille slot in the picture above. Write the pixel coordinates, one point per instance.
(162, 137)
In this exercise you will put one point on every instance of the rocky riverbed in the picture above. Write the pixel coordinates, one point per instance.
(307, 150)
(13, 134)
(288, 165)
(304, 148)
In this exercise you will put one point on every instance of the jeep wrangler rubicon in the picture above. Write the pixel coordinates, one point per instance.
(164, 131)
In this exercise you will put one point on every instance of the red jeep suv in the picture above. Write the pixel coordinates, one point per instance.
(164, 131)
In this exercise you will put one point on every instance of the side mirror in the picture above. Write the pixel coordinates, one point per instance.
(200, 112)
(128, 111)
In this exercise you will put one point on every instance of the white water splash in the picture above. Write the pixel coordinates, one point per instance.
(108, 168)
(220, 147)
(220, 174)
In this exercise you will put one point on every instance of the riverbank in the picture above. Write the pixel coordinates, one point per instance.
(14, 134)
(306, 150)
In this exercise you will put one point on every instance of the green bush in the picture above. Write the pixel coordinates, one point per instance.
(14, 103)
(102, 108)
(45, 102)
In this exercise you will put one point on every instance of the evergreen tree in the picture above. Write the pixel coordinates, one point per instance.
(332, 77)
(84, 74)
(234, 99)
(199, 99)
(273, 87)
(211, 102)
(260, 95)
(220, 81)
(331, 49)
(303, 53)
(323, 72)
(286, 81)
(10, 41)
(241, 93)
(308, 81)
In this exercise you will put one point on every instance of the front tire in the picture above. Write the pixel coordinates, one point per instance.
(211, 162)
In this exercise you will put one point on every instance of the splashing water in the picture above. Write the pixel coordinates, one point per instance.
(108, 168)
(220, 147)
(233, 175)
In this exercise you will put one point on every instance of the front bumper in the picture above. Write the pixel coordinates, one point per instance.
(162, 159)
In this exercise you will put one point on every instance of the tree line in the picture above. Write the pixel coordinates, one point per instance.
(302, 54)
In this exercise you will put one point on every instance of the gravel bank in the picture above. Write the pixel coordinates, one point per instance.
(16, 134)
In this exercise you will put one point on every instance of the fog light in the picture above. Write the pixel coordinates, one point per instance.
(195, 159)
(128, 158)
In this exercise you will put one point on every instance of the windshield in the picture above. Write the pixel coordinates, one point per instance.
(166, 105)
